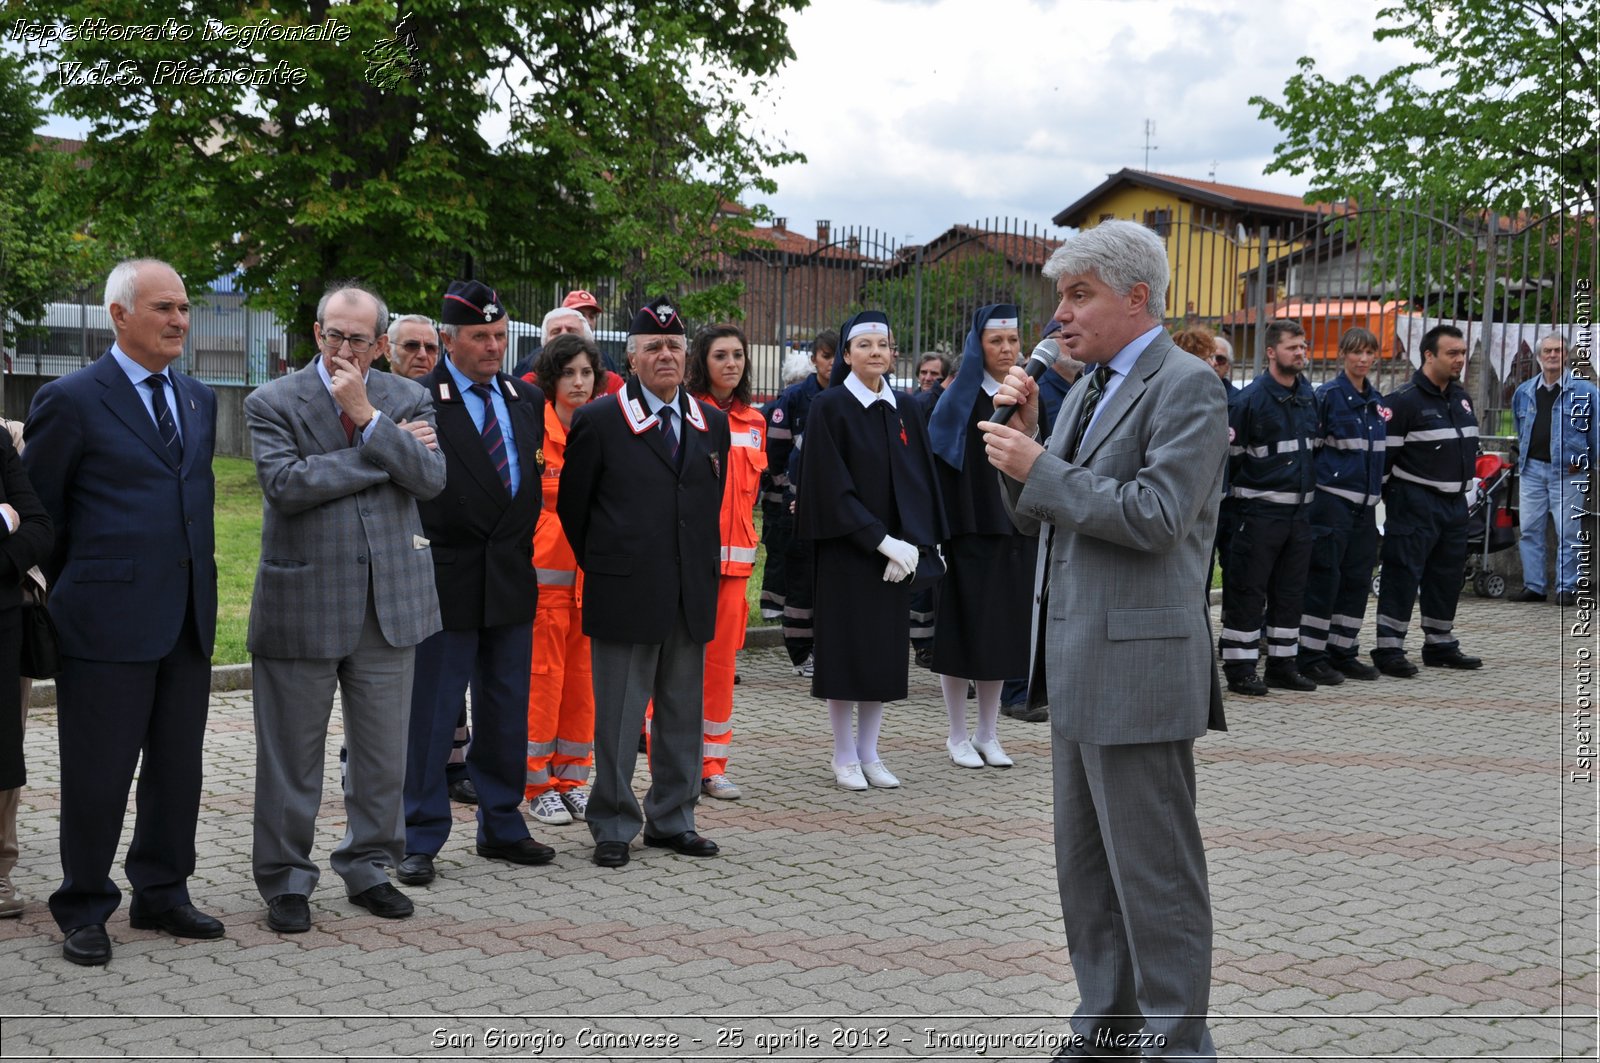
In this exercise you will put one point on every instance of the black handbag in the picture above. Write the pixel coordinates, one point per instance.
(41, 645)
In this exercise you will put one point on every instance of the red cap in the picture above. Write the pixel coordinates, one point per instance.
(581, 300)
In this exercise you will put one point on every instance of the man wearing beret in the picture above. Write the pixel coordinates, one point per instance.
(491, 428)
(641, 492)
(344, 594)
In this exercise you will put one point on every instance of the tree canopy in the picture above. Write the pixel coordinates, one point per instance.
(1502, 111)
(304, 142)
(1488, 143)
(43, 249)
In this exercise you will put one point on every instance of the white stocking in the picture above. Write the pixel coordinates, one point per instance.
(955, 704)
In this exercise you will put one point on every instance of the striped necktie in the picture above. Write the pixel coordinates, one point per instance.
(493, 441)
(1097, 387)
(166, 424)
(667, 431)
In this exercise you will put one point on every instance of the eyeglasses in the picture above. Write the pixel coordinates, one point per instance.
(413, 346)
(358, 344)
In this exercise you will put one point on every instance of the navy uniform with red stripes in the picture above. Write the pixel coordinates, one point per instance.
(1431, 453)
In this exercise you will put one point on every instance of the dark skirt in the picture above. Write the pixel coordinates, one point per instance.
(863, 626)
(984, 607)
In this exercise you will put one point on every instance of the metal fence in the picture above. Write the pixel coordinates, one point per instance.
(1395, 268)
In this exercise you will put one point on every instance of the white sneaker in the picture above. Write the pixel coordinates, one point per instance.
(806, 668)
(878, 775)
(992, 754)
(577, 802)
(962, 755)
(548, 808)
(720, 787)
(849, 776)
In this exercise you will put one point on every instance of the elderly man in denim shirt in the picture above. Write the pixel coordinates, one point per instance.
(1555, 415)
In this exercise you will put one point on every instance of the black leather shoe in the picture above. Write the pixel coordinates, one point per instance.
(1323, 674)
(1288, 679)
(289, 913)
(1247, 684)
(1525, 595)
(611, 854)
(1453, 659)
(184, 921)
(462, 792)
(1027, 715)
(686, 844)
(1566, 598)
(1356, 669)
(87, 946)
(384, 900)
(1398, 667)
(522, 851)
(415, 870)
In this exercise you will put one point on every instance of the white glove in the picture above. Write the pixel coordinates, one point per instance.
(899, 551)
(894, 571)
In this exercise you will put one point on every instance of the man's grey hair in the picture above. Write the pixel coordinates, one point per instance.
(122, 284)
(1558, 337)
(1121, 254)
(1227, 348)
(563, 311)
(946, 363)
(338, 287)
(407, 319)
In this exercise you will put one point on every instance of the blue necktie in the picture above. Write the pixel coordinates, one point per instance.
(493, 441)
(166, 424)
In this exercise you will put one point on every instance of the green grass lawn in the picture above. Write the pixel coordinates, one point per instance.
(239, 552)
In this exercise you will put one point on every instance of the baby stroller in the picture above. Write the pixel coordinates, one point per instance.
(1491, 524)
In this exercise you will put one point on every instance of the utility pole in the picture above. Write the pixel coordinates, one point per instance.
(1149, 134)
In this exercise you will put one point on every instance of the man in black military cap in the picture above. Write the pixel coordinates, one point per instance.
(491, 430)
(641, 493)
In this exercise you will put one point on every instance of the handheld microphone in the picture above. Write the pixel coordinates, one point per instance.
(1039, 363)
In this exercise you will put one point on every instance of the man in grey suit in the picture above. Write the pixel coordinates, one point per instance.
(1125, 494)
(344, 593)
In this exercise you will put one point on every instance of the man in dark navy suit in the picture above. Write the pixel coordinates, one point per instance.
(640, 502)
(120, 453)
(491, 429)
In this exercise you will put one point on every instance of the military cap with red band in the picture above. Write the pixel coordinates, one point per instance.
(471, 303)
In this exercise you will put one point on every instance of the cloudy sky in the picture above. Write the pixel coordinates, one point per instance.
(916, 114)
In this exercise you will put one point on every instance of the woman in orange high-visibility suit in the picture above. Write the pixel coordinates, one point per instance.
(560, 689)
(719, 372)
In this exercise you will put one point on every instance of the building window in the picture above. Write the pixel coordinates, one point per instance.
(1159, 220)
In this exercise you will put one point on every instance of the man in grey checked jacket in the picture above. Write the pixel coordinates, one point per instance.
(344, 593)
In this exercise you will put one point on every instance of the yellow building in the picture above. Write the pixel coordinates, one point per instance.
(1216, 234)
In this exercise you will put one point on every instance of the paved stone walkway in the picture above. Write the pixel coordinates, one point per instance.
(1400, 869)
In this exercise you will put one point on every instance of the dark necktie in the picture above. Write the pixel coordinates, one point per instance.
(166, 425)
(349, 427)
(493, 441)
(1097, 387)
(667, 432)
